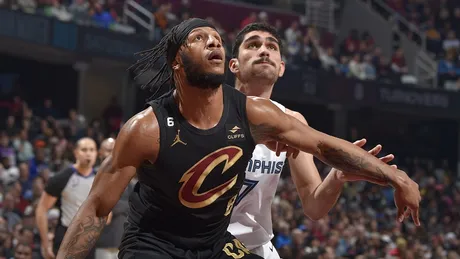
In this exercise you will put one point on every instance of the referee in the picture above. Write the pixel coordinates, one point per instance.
(69, 189)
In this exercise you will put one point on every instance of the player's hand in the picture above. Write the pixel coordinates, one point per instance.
(47, 252)
(279, 147)
(407, 197)
(345, 177)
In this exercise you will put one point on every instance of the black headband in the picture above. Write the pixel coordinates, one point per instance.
(166, 48)
(179, 35)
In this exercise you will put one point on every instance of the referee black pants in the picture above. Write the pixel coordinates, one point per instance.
(59, 236)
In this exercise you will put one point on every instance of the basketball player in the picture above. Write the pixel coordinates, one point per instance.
(257, 65)
(70, 187)
(189, 179)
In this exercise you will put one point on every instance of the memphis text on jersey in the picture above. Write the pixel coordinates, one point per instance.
(265, 167)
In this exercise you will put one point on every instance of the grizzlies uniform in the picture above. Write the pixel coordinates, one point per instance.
(251, 221)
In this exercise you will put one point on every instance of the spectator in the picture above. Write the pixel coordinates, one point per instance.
(352, 43)
(101, 17)
(6, 148)
(80, 10)
(250, 19)
(328, 60)
(8, 173)
(39, 161)
(113, 114)
(443, 17)
(279, 26)
(10, 126)
(161, 19)
(9, 211)
(398, 62)
(447, 69)
(368, 68)
(292, 34)
(451, 42)
(22, 251)
(356, 67)
(23, 147)
(343, 68)
(314, 61)
(263, 17)
(48, 110)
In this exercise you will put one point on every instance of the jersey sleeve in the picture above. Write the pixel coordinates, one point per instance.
(57, 183)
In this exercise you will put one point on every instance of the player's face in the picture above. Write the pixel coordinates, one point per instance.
(86, 152)
(259, 58)
(204, 58)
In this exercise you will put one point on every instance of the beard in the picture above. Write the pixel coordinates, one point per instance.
(198, 78)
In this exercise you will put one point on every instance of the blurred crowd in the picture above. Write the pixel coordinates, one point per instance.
(363, 224)
(439, 21)
(306, 46)
(35, 143)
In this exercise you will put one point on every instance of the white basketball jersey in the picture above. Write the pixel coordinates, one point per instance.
(251, 220)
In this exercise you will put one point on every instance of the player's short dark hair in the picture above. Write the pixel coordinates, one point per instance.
(254, 27)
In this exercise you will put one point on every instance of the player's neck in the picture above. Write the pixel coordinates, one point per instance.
(254, 89)
(83, 170)
(202, 108)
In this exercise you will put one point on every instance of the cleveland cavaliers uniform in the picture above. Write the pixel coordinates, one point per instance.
(181, 206)
(251, 221)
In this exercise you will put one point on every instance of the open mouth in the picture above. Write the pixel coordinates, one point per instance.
(215, 56)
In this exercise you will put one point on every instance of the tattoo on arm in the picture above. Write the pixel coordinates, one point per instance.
(357, 165)
(82, 237)
(264, 132)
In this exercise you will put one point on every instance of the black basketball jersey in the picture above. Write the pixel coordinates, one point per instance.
(186, 197)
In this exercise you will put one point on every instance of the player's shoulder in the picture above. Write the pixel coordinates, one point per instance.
(296, 115)
(140, 129)
(143, 122)
(279, 105)
(138, 139)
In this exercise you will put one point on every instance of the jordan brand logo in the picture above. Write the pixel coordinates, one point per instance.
(177, 139)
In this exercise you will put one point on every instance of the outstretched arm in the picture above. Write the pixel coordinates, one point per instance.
(136, 142)
(319, 196)
(268, 123)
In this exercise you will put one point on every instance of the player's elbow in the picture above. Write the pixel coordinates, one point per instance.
(312, 215)
(94, 205)
(311, 210)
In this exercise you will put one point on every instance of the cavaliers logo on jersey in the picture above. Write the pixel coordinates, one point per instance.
(196, 175)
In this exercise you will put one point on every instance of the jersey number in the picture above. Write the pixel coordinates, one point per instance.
(248, 185)
(235, 251)
(170, 121)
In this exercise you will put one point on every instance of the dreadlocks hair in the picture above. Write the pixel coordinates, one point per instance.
(254, 27)
(150, 57)
(147, 61)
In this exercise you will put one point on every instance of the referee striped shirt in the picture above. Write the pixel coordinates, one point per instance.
(71, 188)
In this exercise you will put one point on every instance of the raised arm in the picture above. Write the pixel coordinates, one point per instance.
(268, 123)
(137, 141)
